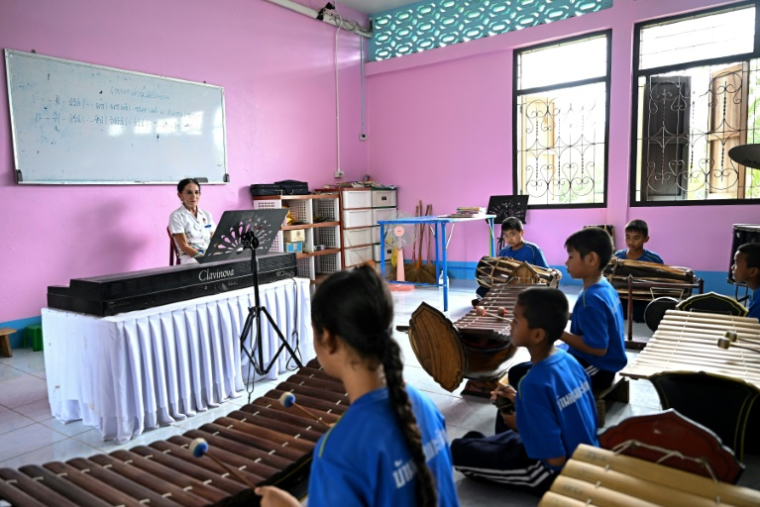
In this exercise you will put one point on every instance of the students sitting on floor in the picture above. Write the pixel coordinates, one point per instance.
(746, 268)
(517, 248)
(596, 337)
(636, 236)
(554, 408)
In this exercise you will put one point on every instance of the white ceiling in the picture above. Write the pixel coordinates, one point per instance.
(373, 6)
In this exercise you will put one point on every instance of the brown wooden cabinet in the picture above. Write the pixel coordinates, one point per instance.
(318, 215)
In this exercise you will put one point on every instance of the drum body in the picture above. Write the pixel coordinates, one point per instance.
(476, 347)
(493, 271)
(618, 271)
(655, 311)
(743, 233)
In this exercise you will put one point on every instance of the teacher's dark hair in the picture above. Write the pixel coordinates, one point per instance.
(183, 183)
(357, 306)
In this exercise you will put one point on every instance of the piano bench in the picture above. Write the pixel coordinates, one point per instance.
(619, 390)
(33, 334)
(5, 343)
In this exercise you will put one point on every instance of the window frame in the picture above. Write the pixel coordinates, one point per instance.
(648, 73)
(606, 79)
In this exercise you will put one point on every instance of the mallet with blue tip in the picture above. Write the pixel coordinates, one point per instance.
(199, 448)
(289, 400)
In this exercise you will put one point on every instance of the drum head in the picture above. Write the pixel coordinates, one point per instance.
(655, 311)
(438, 346)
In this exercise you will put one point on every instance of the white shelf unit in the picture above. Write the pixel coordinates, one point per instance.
(319, 217)
(361, 209)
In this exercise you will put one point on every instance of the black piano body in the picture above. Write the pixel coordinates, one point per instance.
(137, 290)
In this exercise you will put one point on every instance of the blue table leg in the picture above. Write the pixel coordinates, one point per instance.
(382, 251)
(493, 238)
(445, 269)
(437, 255)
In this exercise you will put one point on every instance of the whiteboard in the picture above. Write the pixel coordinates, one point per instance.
(76, 123)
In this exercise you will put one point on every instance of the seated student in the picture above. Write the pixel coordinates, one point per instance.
(596, 336)
(517, 248)
(636, 235)
(746, 268)
(390, 449)
(554, 411)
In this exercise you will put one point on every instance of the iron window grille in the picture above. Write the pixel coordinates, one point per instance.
(696, 96)
(560, 122)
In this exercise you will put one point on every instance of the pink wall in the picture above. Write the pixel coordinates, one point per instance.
(276, 67)
(440, 127)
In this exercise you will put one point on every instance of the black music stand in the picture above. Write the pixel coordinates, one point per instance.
(505, 206)
(227, 241)
(252, 230)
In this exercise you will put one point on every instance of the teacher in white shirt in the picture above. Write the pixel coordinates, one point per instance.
(190, 226)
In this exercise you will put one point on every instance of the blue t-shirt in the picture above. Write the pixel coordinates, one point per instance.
(364, 460)
(598, 319)
(754, 306)
(648, 256)
(555, 408)
(529, 253)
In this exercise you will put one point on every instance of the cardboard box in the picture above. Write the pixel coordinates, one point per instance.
(294, 236)
(294, 246)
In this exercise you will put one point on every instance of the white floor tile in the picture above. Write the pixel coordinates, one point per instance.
(27, 439)
(38, 411)
(22, 390)
(10, 420)
(59, 451)
(69, 429)
(28, 361)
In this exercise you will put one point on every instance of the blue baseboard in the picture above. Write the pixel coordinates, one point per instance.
(17, 338)
(461, 270)
(715, 281)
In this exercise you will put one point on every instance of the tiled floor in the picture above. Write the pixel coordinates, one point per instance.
(29, 434)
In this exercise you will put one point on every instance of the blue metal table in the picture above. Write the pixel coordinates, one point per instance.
(441, 245)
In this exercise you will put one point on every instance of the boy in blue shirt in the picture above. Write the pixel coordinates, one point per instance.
(746, 268)
(554, 407)
(517, 248)
(636, 235)
(596, 336)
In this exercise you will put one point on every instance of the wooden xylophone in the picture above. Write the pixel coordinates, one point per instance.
(476, 347)
(687, 341)
(714, 387)
(266, 442)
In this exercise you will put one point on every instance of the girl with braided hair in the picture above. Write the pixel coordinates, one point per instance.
(390, 448)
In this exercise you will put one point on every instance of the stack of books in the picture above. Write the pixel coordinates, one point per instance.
(467, 212)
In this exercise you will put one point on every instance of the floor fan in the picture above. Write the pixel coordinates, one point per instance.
(399, 236)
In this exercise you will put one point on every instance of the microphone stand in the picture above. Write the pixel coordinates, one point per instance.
(251, 242)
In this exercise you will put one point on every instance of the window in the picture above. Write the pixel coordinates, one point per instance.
(560, 123)
(696, 96)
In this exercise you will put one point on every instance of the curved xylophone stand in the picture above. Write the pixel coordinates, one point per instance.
(251, 242)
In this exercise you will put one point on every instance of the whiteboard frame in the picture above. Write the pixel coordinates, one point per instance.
(17, 171)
